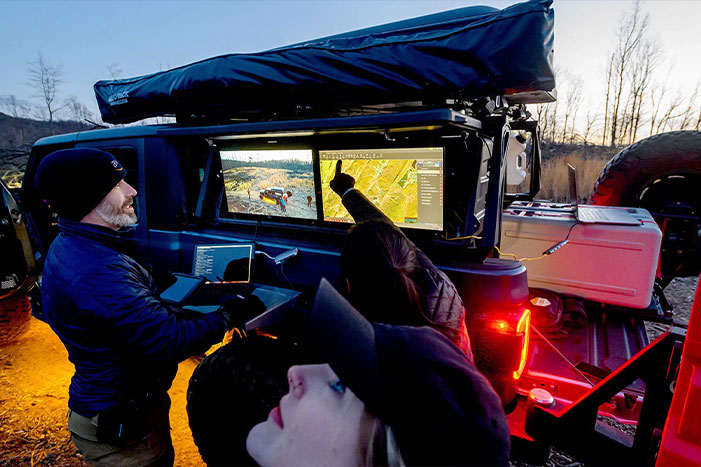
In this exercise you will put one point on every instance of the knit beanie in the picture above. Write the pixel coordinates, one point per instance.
(74, 181)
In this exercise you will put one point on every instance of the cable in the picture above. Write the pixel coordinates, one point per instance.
(516, 257)
(561, 355)
(545, 253)
(265, 254)
(475, 237)
(282, 271)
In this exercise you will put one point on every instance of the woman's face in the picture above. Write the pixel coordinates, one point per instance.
(316, 423)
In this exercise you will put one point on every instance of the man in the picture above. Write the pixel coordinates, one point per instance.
(104, 306)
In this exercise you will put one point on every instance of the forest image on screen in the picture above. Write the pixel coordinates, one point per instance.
(270, 182)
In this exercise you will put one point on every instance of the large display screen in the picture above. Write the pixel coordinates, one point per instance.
(270, 182)
(404, 183)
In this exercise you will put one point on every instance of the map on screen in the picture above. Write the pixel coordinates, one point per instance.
(406, 184)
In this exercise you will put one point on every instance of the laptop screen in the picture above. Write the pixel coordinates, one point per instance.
(572, 178)
(224, 262)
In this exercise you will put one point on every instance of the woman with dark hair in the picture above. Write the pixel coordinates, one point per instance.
(388, 395)
(388, 278)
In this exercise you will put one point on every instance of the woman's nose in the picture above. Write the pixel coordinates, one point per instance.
(295, 378)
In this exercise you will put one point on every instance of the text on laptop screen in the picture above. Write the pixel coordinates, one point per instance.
(223, 262)
(404, 183)
(270, 182)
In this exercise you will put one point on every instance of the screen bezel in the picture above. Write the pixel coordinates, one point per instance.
(424, 139)
(408, 226)
(251, 256)
(267, 145)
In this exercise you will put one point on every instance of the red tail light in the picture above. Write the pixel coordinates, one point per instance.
(523, 328)
(500, 346)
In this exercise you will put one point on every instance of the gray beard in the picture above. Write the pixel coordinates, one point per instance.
(112, 214)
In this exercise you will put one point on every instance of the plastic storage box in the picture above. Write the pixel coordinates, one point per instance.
(613, 264)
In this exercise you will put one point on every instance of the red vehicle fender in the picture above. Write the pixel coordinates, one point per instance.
(681, 438)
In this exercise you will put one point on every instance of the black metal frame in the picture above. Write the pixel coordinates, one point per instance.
(576, 430)
(530, 126)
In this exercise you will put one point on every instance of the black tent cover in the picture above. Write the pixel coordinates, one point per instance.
(458, 54)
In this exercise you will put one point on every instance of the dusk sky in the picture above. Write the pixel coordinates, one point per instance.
(86, 37)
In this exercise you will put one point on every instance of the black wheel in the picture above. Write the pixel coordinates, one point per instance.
(15, 313)
(663, 175)
(233, 389)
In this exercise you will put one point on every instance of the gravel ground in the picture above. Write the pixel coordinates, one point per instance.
(34, 378)
(680, 294)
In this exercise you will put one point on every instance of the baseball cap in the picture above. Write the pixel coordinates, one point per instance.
(441, 409)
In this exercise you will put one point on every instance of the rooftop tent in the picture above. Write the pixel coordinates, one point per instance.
(459, 54)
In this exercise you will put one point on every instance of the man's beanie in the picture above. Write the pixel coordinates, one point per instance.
(74, 181)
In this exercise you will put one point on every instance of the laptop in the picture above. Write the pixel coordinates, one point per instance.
(226, 268)
(220, 272)
(588, 214)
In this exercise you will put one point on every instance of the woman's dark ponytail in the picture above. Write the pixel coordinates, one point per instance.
(379, 263)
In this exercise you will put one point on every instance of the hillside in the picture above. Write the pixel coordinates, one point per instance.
(17, 136)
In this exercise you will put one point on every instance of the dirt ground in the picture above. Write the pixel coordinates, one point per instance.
(35, 374)
(34, 378)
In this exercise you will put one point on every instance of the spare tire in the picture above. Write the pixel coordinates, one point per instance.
(233, 389)
(663, 175)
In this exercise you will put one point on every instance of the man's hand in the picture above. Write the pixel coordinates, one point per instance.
(240, 309)
(341, 182)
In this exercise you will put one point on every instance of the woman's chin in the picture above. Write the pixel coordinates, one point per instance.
(260, 439)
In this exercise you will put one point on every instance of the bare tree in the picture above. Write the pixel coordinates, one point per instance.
(669, 115)
(648, 58)
(45, 77)
(77, 110)
(591, 120)
(574, 99)
(609, 83)
(630, 34)
(16, 108)
(659, 90)
(114, 70)
(542, 112)
(687, 116)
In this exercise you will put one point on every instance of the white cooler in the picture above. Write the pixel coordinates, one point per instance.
(613, 264)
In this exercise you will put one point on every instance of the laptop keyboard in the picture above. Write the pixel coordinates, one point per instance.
(218, 289)
(593, 214)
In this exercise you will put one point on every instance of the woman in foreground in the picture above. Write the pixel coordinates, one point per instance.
(389, 395)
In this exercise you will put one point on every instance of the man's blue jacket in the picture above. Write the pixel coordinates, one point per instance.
(104, 306)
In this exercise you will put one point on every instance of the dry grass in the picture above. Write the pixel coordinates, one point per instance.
(554, 179)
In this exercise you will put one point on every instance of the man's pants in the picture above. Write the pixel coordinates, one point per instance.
(156, 449)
